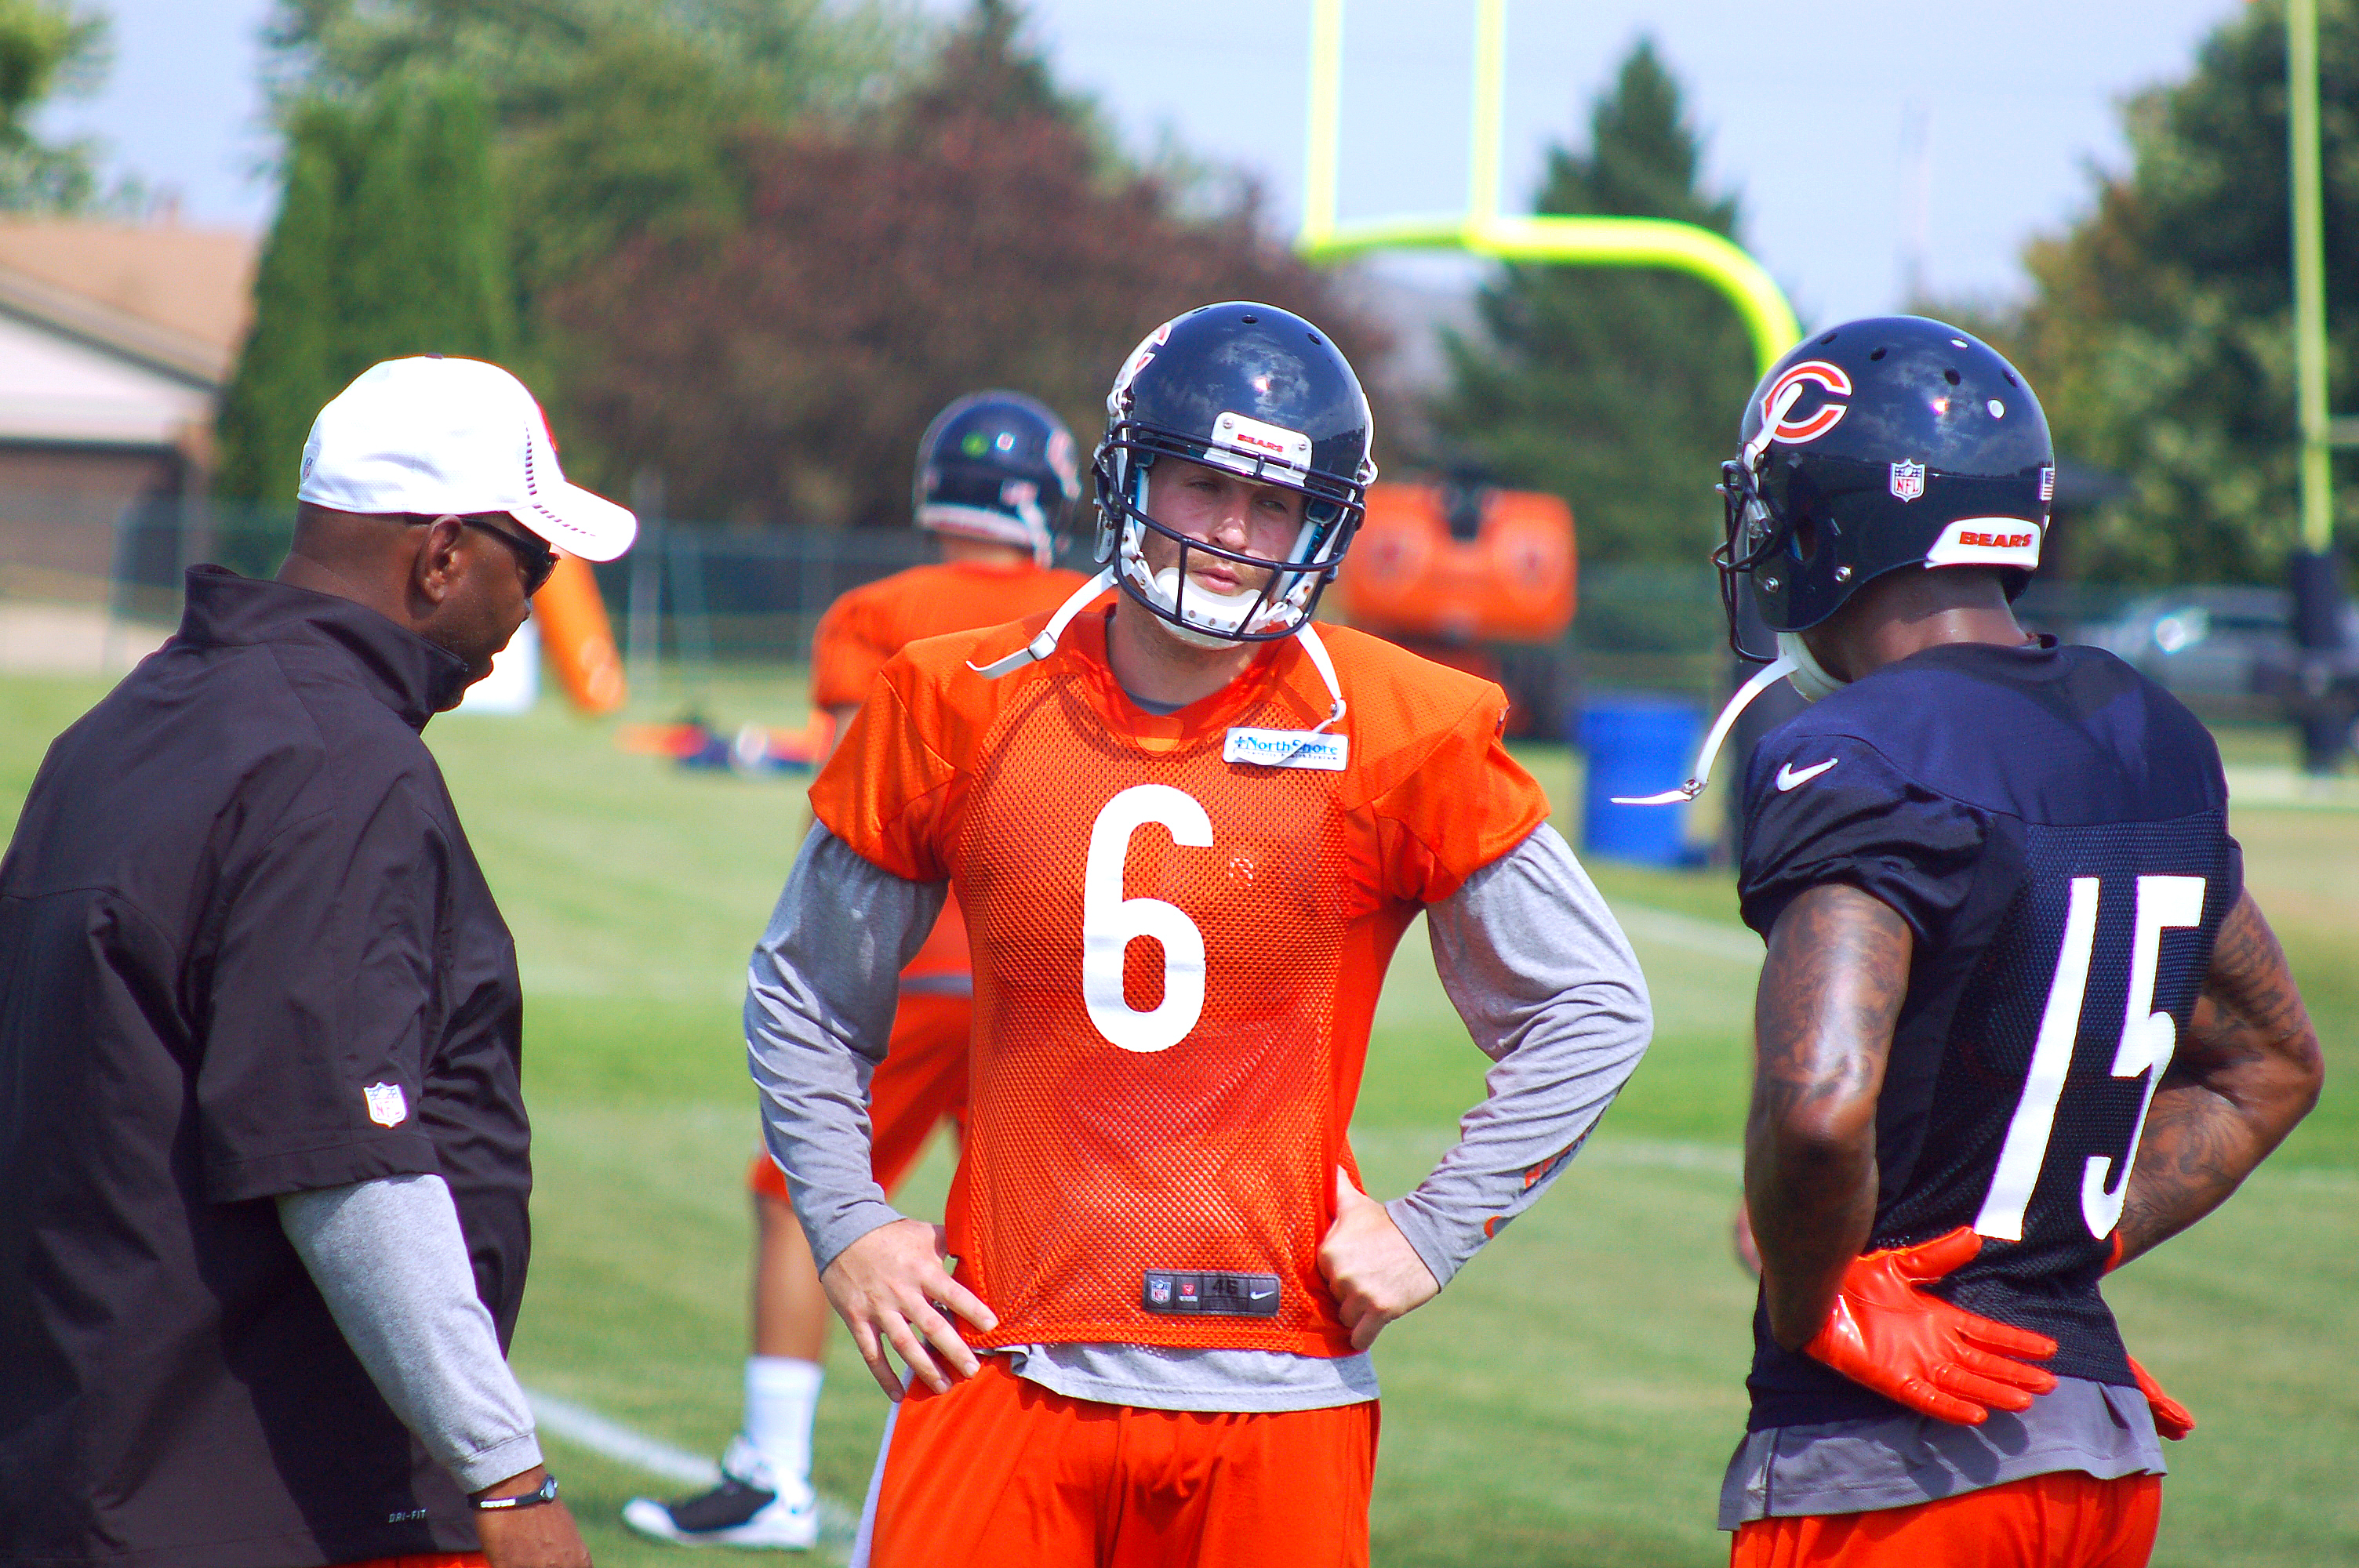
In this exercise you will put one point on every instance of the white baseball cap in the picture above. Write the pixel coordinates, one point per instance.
(432, 436)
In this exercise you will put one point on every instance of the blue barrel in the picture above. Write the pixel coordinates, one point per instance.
(1636, 744)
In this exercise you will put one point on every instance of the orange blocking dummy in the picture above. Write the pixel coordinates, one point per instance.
(577, 640)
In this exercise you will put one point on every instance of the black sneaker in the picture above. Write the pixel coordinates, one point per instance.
(748, 1508)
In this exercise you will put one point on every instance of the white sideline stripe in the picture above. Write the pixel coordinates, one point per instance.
(1708, 937)
(586, 1428)
(1663, 1154)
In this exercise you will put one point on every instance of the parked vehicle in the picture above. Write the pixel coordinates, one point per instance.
(2215, 647)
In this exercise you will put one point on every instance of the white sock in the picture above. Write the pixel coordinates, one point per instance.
(781, 1397)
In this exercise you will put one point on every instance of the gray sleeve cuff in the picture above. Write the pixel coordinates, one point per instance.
(820, 996)
(391, 1262)
(1429, 1241)
(1549, 988)
(494, 1465)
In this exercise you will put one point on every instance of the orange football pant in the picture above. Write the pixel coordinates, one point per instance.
(2066, 1520)
(1001, 1473)
(924, 1080)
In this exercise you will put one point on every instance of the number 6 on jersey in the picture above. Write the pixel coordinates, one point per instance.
(1111, 921)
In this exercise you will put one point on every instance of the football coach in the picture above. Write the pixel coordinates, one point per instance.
(263, 1157)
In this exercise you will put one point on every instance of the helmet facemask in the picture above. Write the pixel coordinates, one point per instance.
(1752, 527)
(1195, 614)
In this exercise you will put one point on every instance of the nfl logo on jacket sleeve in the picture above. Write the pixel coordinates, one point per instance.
(387, 1106)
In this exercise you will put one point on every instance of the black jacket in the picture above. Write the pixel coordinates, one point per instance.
(244, 951)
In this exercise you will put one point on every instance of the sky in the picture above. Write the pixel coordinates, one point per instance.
(1808, 109)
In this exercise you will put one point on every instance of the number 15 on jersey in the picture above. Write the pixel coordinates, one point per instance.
(2147, 1040)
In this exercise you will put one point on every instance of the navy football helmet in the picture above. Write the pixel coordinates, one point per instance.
(1890, 442)
(1261, 392)
(999, 466)
(1895, 442)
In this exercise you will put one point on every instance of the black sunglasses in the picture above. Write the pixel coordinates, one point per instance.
(534, 556)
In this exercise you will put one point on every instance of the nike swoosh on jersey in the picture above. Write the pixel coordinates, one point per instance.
(1787, 778)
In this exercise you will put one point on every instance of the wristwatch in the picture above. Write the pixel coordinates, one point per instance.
(544, 1493)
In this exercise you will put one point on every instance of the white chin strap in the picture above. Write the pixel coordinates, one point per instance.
(1326, 668)
(1809, 680)
(1041, 646)
(1763, 680)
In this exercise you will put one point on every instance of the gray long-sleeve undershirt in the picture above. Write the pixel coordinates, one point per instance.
(391, 1262)
(1530, 956)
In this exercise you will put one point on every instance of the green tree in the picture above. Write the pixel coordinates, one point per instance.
(425, 264)
(1616, 390)
(287, 366)
(47, 47)
(2159, 331)
(973, 232)
(612, 117)
(390, 240)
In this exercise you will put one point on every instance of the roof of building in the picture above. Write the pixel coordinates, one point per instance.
(176, 299)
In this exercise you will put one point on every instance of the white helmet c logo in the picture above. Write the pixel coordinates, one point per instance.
(1787, 390)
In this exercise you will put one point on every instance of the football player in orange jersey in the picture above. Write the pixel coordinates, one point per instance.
(996, 477)
(1187, 832)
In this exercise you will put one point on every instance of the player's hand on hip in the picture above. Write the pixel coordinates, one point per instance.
(1375, 1274)
(890, 1289)
(2171, 1419)
(1917, 1350)
(542, 1536)
(1743, 1242)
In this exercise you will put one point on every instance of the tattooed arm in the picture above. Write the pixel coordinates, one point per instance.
(1831, 991)
(2246, 1071)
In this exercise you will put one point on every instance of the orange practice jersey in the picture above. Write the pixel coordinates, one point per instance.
(1154, 1124)
(868, 625)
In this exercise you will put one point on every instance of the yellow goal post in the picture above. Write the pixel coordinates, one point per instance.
(1483, 230)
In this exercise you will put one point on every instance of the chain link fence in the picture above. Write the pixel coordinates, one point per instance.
(85, 584)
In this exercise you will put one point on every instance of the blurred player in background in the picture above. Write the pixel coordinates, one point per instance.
(996, 480)
(2010, 948)
(1187, 832)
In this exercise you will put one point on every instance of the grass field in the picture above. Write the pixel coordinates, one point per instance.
(1570, 1401)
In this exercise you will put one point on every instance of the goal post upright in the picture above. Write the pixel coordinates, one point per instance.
(1482, 230)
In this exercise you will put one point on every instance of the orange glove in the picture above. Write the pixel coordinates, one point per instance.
(1938, 1359)
(2171, 1419)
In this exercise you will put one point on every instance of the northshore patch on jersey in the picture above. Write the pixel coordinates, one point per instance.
(1176, 957)
(2052, 827)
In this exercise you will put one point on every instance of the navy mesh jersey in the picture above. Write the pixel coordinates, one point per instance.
(2053, 828)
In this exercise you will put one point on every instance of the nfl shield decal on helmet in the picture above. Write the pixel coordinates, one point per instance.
(1907, 479)
(387, 1106)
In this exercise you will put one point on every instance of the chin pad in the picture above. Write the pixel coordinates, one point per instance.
(1809, 679)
